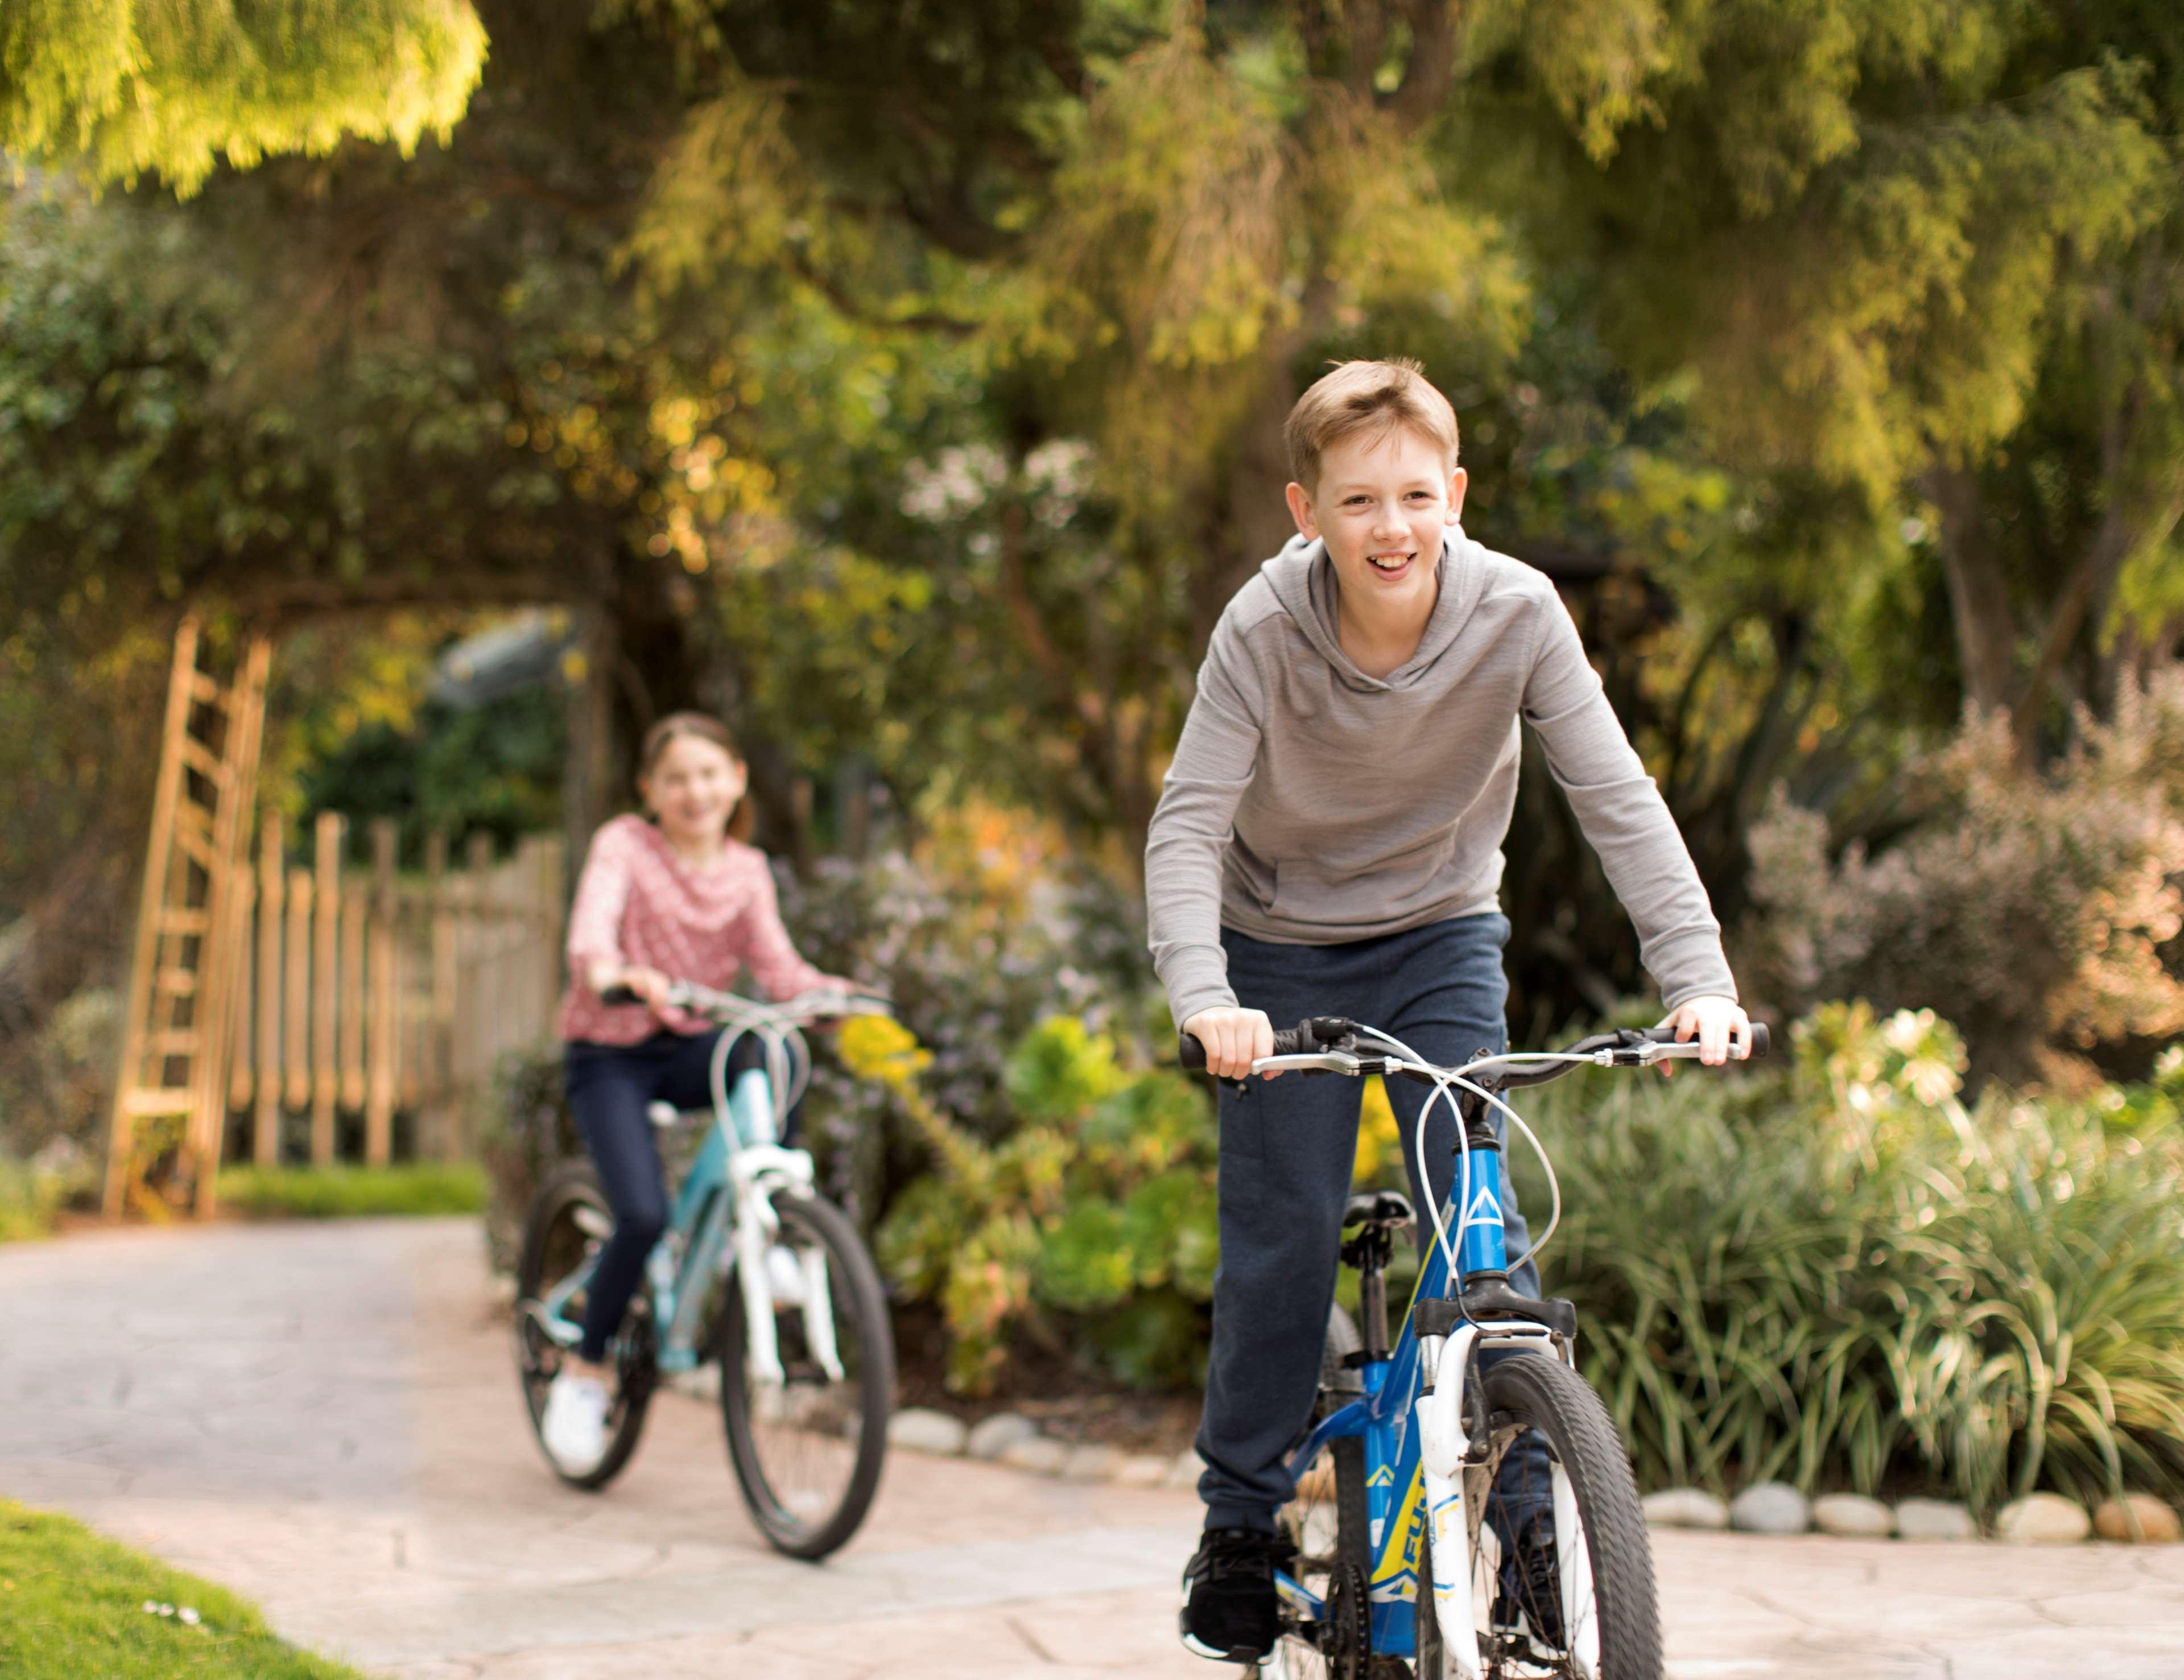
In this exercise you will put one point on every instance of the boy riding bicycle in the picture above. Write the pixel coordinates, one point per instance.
(1328, 842)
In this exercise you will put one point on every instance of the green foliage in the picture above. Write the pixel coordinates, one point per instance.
(1841, 1277)
(524, 1131)
(31, 1193)
(128, 87)
(495, 769)
(418, 1188)
(1096, 1213)
(79, 1604)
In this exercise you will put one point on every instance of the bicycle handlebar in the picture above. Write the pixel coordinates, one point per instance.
(1332, 1044)
(688, 995)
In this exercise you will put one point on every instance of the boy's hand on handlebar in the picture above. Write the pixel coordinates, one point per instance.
(1233, 1039)
(1717, 1023)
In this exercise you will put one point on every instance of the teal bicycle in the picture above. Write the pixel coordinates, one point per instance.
(1465, 1508)
(755, 1270)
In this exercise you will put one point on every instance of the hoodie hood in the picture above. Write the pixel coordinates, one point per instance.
(1303, 580)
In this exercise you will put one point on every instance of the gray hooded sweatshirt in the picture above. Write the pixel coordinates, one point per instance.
(1311, 804)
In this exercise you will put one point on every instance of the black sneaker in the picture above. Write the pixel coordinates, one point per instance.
(1531, 1581)
(1229, 1610)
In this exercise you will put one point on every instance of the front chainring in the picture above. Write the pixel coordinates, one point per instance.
(1345, 1637)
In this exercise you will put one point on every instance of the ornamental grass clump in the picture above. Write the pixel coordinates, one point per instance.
(1841, 1277)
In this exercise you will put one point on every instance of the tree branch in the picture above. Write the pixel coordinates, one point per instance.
(1427, 77)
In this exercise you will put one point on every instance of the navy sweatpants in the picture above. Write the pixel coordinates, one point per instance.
(1286, 1150)
(608, 1086)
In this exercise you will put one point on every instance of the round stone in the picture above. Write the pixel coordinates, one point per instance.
(1770, 1508)
(1934, 1520)
(921, 1430)
(1091, 1462)
(1039, 1453)
(990, 1437)
(1141, 1469)
(1684, 1508)
(2042, 1520)
(2140, 1518)
(1853, 1517)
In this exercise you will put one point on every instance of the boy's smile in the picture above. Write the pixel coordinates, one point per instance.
(1384, 505)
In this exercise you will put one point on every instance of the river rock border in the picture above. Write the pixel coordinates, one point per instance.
(2036, 1520)
(1011, 1438)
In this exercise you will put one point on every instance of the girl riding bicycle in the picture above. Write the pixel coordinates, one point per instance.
(682, 896)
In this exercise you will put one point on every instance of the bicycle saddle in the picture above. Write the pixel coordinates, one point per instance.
(1388, 1209)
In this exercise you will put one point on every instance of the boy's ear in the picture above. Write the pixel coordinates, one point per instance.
(1300, 500)
(1457, 482)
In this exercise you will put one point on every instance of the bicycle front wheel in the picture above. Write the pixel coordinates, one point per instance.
(1561, 1572)
(807, 1449)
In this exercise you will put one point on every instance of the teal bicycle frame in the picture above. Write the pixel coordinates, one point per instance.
(722, 1219)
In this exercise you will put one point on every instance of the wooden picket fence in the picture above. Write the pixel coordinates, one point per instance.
(363, 998)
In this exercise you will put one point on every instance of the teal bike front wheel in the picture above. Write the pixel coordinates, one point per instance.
(808, 1447)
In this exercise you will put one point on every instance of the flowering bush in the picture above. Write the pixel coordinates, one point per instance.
(2034, 911)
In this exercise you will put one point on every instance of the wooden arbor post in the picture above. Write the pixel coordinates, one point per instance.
(179, 1034)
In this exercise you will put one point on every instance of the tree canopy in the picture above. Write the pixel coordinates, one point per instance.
(908, 384)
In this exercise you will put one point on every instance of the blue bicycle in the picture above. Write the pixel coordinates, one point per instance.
(1464, 1505)
(755, 1269)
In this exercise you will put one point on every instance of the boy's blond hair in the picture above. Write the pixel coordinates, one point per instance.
(1367, 396)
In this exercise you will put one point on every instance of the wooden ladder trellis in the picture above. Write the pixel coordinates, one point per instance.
(176, 1046)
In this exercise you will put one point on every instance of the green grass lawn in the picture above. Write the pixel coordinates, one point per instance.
(72, 1607)
(349, 1192)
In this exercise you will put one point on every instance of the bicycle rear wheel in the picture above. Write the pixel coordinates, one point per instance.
(808, 1450)
(570, 1222)
(1327, 1522)
(1560, 1568)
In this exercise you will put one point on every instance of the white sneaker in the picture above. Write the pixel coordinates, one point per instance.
(574, 1429)
(784, 1276)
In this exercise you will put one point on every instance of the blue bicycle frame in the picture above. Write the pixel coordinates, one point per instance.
(1401, 1489)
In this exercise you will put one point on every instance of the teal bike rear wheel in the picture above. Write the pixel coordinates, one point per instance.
(570, 1222)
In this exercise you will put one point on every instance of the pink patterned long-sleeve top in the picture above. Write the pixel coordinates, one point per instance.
(639, 903)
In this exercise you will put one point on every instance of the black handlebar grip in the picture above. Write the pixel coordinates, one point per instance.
(1289, 1042)
(619, 994)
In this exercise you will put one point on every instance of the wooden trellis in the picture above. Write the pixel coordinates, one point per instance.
(308, 991)
(174, 1048)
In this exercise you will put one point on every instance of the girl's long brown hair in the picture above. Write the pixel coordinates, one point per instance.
(743, 819)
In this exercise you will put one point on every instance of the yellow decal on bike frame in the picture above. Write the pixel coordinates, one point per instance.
(1401, 1556)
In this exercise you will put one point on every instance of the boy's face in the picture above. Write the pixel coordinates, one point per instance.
(1382, 504)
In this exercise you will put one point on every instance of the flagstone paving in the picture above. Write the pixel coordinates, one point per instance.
(324, 1416)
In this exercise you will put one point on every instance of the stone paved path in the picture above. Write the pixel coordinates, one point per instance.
(324, 1416)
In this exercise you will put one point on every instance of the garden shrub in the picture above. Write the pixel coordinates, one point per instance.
(1092, 1225)
(1841, 1275)
(2037, 910)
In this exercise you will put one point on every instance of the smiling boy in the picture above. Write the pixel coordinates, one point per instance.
(1329, 842)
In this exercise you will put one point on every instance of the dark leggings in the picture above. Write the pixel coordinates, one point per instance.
(608, 1086)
